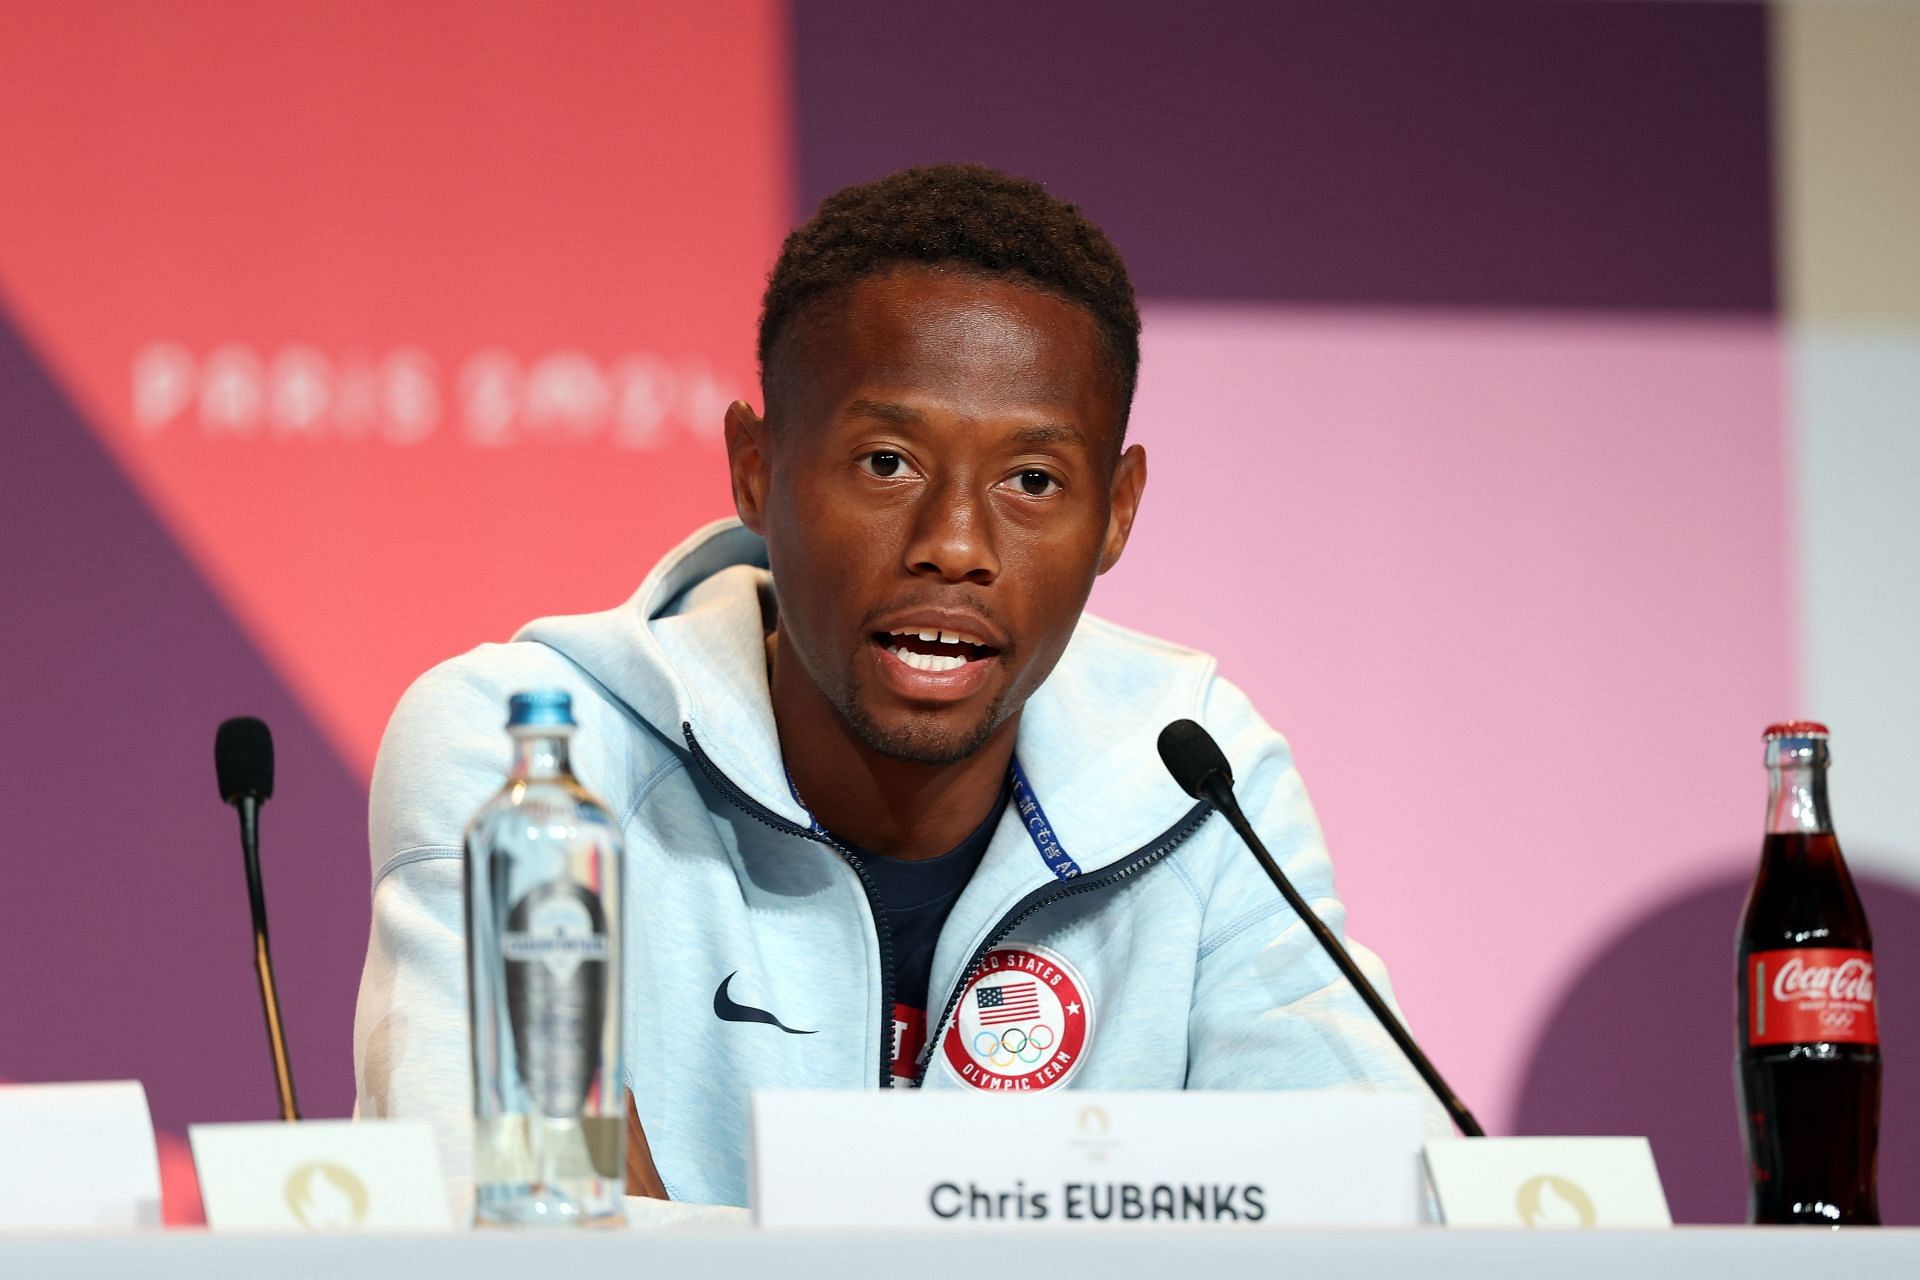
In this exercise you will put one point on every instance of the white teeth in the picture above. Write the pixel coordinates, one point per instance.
(929, 635)
(928, 661)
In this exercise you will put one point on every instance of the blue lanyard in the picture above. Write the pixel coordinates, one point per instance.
(1032, 817)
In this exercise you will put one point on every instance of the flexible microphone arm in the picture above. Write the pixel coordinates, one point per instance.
(1201, 769)
(243, 758)
(249, 807)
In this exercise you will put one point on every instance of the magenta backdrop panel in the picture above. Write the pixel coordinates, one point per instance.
(1516, 589)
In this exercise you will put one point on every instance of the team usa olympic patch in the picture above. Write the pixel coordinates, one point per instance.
(1024, 1022)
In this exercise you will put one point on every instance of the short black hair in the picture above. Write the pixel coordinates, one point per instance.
(956, 215)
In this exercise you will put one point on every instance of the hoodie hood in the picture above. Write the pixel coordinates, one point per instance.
(686, 656)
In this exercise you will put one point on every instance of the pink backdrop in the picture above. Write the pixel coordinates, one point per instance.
(1514, 587)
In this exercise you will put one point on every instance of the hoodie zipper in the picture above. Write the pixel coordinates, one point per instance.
(883, 933)
(1044, 897)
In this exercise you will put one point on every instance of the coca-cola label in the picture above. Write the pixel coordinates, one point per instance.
(1811, 995)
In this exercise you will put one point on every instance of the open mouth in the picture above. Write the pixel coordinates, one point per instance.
(931, 650)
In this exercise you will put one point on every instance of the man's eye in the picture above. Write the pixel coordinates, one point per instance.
(883, 464)
(1036, 484)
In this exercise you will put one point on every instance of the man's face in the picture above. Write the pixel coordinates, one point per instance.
(939, 485)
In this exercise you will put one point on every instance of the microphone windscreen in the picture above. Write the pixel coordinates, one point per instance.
(243, 757)
(1192, 757)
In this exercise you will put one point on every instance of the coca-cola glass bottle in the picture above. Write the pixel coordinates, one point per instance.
(1809, 1060)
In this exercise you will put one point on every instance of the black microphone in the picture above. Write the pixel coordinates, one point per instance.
(1200, 767)
(243, 759)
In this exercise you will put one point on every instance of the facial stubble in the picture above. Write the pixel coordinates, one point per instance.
(921, 740)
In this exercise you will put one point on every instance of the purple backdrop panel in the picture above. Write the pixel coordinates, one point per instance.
(1515, 587)
(126, 905)
(1568, 154)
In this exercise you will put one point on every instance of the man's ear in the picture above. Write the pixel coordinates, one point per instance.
(1129, 482)
(749, 464)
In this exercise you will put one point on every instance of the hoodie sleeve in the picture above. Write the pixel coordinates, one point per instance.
(1270, 1010)
(441, 758)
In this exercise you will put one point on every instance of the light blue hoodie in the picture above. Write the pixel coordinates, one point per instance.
(1140, 947)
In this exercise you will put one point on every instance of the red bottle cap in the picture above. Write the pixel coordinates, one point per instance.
(1795, 729)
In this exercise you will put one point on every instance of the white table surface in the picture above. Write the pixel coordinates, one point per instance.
(1111, 1253)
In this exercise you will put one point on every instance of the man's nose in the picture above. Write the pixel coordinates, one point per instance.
(953, 535)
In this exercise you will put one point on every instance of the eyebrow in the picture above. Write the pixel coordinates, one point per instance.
(1049, 433)
(886, 411)
(1032, 436)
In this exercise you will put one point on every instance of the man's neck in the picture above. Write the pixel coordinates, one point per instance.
(896, 808)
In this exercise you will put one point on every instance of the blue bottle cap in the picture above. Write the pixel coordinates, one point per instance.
(537, 707)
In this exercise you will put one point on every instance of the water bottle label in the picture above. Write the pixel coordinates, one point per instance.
(556, 950)
(1811, 995)
(557, 930)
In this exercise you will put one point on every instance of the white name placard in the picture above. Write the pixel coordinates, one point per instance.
(1069, 1158)
(77, 1156)
(1547, 1182)
(320, 1175)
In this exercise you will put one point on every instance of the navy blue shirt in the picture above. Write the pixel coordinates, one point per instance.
(914, 897)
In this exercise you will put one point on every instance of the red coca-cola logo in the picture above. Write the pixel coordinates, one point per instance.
(1852, 979)
(1811, 995)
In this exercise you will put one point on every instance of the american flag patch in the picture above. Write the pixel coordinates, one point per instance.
(1009, 1002)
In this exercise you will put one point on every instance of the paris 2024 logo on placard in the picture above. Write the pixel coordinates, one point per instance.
(1024, 1022)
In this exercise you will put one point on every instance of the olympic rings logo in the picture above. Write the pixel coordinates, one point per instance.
(1003, 1049)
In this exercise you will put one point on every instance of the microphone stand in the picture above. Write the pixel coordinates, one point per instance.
(1220, 793)
(249, 807)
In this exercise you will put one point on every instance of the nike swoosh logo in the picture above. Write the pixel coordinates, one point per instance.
(727, 1009)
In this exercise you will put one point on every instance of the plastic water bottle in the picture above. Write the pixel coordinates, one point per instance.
(543, 964)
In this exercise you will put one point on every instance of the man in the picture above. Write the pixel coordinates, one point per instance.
(893, 808)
